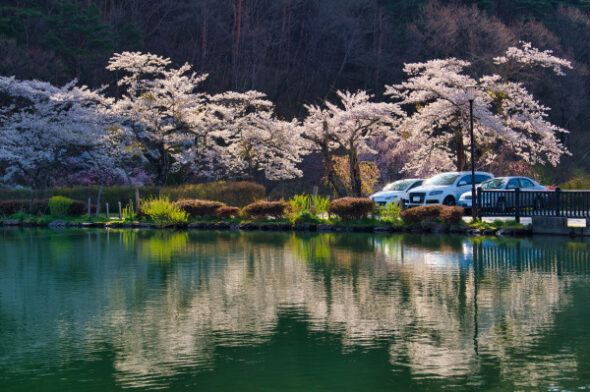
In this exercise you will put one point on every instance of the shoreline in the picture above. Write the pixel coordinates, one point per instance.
(431, 228)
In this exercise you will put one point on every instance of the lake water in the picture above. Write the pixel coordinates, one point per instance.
(204, 311)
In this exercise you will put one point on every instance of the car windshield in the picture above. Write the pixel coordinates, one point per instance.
(398, 185)
(442, 179)
(496, 183)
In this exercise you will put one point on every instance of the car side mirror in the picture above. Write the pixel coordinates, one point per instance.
(462, 183)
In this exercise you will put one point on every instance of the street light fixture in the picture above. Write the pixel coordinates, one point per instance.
(470, 93)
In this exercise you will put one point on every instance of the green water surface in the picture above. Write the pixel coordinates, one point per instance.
(205, 311)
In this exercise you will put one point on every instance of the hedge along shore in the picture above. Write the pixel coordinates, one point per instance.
(433, 228)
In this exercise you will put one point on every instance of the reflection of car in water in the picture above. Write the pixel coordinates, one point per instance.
(396, 191)
(542, 254)
(433, 251)
(531, 254)
(503, 201)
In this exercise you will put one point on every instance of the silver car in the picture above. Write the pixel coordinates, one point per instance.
(502, 201)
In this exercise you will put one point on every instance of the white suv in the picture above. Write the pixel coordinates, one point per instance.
(444, 188)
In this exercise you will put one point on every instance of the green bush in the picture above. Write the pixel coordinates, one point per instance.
(264, 209)
(300, 203)
(320, 204)
(200, 208)
(128, 213)
(303, 217)
(226, 212)
(59, 206)
(391, 212)
(348, 208)
(433, 213)
(162, 211)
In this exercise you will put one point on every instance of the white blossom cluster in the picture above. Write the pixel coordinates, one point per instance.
(162, 120)
(221, 135)
(505, 112)
(44, 128)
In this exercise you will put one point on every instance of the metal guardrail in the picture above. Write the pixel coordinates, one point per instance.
(524, 203)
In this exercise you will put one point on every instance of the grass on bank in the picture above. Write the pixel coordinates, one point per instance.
(495, 225)
(300, 210)
(376, 221)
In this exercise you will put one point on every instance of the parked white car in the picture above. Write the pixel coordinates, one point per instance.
(444, 188)
(396, 191)
(505, 183)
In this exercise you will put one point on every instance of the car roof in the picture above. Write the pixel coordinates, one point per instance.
(510, 177)
(464, 172)
(406, 179)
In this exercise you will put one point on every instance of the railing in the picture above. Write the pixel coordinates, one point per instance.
(524, 203)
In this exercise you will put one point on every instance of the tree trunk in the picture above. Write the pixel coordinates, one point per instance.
(40, 178)
(333, 179)
(355, 172)
(460, 148)
(164, 167)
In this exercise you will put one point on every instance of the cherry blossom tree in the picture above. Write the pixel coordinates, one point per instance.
(506, 114)
(46, 130)
(160, 105)
(346, 128)
(219, 136)
(255, 140)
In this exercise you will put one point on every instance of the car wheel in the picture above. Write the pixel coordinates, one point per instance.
(502, 205)
(449, 201)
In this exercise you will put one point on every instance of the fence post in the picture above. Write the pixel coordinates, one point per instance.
(98, 201)
(120, 212)
(557, 201)
(137, 200)
(107, 211)
(477, 203)
(517, 205)
(31, 206)
(89, 208)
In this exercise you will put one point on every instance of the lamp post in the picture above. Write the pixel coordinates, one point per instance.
(470, 93)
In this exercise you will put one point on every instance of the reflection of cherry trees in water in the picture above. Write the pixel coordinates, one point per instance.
(167, 300)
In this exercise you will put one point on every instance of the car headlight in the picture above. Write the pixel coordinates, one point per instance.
(434, 193)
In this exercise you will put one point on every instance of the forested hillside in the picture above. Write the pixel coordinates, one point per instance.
(301, 51)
